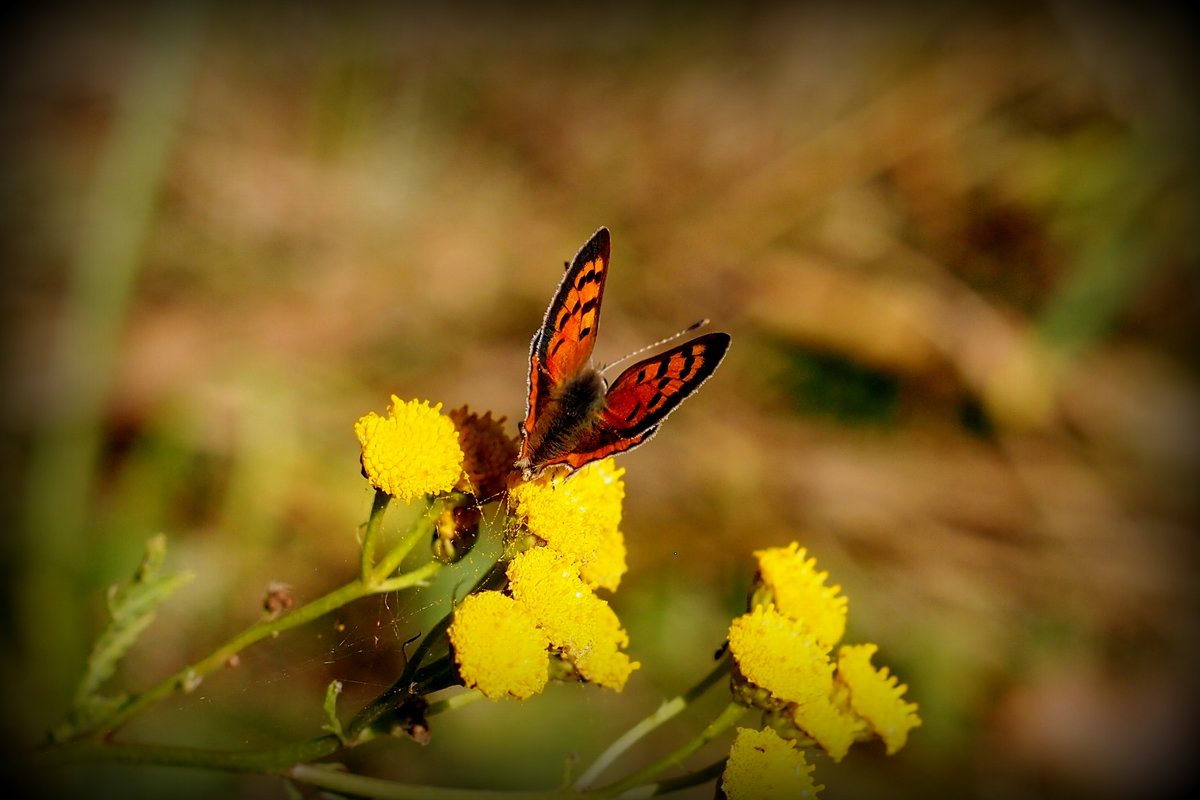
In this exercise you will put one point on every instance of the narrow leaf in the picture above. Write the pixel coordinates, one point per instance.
(131, 608)
(334, 725)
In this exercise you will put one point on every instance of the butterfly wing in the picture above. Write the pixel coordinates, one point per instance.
(642, 396)
(563, 345)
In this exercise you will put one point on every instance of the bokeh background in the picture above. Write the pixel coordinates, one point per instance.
(955, 247)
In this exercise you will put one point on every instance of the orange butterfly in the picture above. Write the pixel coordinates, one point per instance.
(573, 417)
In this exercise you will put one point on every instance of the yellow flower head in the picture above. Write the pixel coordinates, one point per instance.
(763, 766)
(831, 728)
(875, 695)
(580, 517)
(781, 656)
(576, 621)
(489, 451)
(411, 452)
(791, 581)
(498, 647)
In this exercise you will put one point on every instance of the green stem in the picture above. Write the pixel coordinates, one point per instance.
(687, 781)
(433, 637)
(422, 529)
(456, 701)
(386, 701)
(378, 506)
(635, 734)
(188, 677)
(417, 577)
(398, 690)
(731, 714)
(269, 760)
(361, 786)
(272, 760)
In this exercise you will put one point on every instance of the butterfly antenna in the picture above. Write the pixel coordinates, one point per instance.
(697, 324)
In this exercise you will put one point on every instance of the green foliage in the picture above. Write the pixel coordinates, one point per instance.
(830, 385)
(334, 725)
(131, 609)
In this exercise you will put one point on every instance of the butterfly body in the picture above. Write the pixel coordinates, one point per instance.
(567, 414)
(573, 417)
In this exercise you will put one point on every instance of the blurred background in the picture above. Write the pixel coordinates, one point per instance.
(955, 248)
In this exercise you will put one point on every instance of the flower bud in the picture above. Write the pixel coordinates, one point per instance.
(456, 531)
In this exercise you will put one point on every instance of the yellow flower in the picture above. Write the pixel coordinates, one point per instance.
(780, 655)
(489, 451)
(875, 695)
(828, 725)
(580, 517)
(793, 584)
(412, 452)
(762, 766)
(577, 622)
(498, 647)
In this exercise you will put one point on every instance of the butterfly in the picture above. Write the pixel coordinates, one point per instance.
(573, 416)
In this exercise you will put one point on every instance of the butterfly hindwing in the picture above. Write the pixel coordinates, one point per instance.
(642, 396)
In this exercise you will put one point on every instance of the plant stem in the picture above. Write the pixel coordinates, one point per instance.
(664, 712)
(270, 760)
(422, 529)
(188, 677)
(409, 579)
(456, 701)
(675, 784)
(382, 704)
(362, 786)
(378, 506)
(731, 714)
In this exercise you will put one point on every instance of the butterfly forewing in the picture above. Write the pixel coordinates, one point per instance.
(643, 395)
(564, 344)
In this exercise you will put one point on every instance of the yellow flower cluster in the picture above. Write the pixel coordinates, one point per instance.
(876, 696)
(498, 647)
(782, 651)
(763, 766)
(411, 452)
(579, 516)
(554, 610)
(790, 581)
(583, 627)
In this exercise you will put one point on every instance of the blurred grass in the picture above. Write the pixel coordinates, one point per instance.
(101, 278)
(955, 249)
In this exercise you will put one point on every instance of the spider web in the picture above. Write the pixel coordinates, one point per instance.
(279, 684)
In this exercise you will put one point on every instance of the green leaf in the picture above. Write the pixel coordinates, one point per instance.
(334, 725)
(131, 608)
